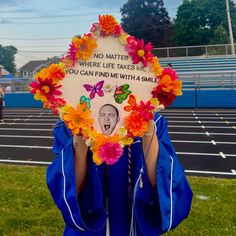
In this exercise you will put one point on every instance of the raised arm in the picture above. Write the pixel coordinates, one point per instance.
(81, 164)
(150, 150)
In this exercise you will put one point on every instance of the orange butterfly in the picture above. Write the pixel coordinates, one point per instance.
(133, 106)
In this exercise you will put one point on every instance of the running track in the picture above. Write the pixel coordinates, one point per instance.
(204, 139)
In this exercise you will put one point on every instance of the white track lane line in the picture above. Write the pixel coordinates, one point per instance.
(16, 123)
(25, 136)
(197, 117)
(24, 162)
(22, 146)
(209, 172)
(206, 154)
(25, 129)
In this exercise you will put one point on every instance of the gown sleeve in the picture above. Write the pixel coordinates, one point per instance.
(161, 208)
(79, 213)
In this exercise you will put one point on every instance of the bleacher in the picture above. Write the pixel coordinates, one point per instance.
(207, 82)
(193, 64)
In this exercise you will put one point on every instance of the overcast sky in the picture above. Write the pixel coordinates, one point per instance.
(31, 25)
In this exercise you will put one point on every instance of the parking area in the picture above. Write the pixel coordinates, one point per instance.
(204, 139)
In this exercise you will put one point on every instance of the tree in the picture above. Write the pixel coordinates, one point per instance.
(197, 21)
(147, 19)
(7, 58)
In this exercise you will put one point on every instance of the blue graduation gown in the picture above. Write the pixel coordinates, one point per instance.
(152, 211)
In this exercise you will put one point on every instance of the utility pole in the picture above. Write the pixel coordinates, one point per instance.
(230, 29)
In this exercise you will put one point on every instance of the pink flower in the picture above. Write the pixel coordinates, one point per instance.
(110, 152)
(72, 53)
(117, 30)
(138, 51)
(95, 27)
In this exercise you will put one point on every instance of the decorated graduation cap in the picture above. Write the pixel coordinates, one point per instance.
(106, 88)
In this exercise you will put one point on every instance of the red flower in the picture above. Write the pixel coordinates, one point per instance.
(165, 98)
(145, 110)
(138, 51)
(45, 88)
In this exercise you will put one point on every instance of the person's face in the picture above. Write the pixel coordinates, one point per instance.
(108, 119)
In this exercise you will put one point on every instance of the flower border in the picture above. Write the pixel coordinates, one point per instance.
(108, 149)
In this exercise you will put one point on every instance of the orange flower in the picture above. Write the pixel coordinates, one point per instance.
(169, 85)
(78, 119)
(83, 47)
(42, 74)
(56, 72)
(156, 67)
(177, 87)
(98, 143)
(136, 124)
(108, 24)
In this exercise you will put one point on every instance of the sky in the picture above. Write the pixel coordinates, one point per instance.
(44, 28)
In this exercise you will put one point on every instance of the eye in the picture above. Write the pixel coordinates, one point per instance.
(102, 114)
(111, 115)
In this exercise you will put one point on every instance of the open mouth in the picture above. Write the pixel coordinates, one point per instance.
(107, 127)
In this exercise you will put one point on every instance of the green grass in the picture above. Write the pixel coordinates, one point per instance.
(26, 207)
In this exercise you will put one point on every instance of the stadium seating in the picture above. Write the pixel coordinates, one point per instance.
(191, 64)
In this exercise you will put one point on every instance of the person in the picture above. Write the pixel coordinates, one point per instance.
(1, 102)
(145, 193)
(169, 65)
(108, 117)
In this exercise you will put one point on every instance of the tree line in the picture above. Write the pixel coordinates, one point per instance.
(197, 22)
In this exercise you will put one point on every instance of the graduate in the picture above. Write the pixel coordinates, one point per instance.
(116, 172)
(145, 193)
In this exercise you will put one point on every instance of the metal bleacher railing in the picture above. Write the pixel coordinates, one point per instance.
(194, 51)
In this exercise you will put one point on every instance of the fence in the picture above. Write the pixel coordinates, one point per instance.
(191, 51)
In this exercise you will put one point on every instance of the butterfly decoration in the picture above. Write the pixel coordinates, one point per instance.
(96, 89)
(121, 93)
(84, 99)
(133, 106)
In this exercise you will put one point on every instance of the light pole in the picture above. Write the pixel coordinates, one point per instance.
(230, 28)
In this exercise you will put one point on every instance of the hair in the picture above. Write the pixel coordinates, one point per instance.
(117, 112)
(169, 64)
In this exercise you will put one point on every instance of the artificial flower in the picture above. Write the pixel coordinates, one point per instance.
(42, 74)
(165, 98)
(136, 124)
(124, 138)
(99, 155)
(117, 30)
(156, 67)
(78, 119)
(145, 110)
(110, 152)
(108, 25)
(54, 104)
(123, 37)
(169, 83)
(138, 51)
(108, 87)
(81, 48)
(44, 89)
(56, 72)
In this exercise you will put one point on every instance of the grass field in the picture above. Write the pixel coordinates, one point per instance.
(26, 207)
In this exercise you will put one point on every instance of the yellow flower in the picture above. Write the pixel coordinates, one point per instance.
(154, 101)
(156, 67)
(123, 38)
